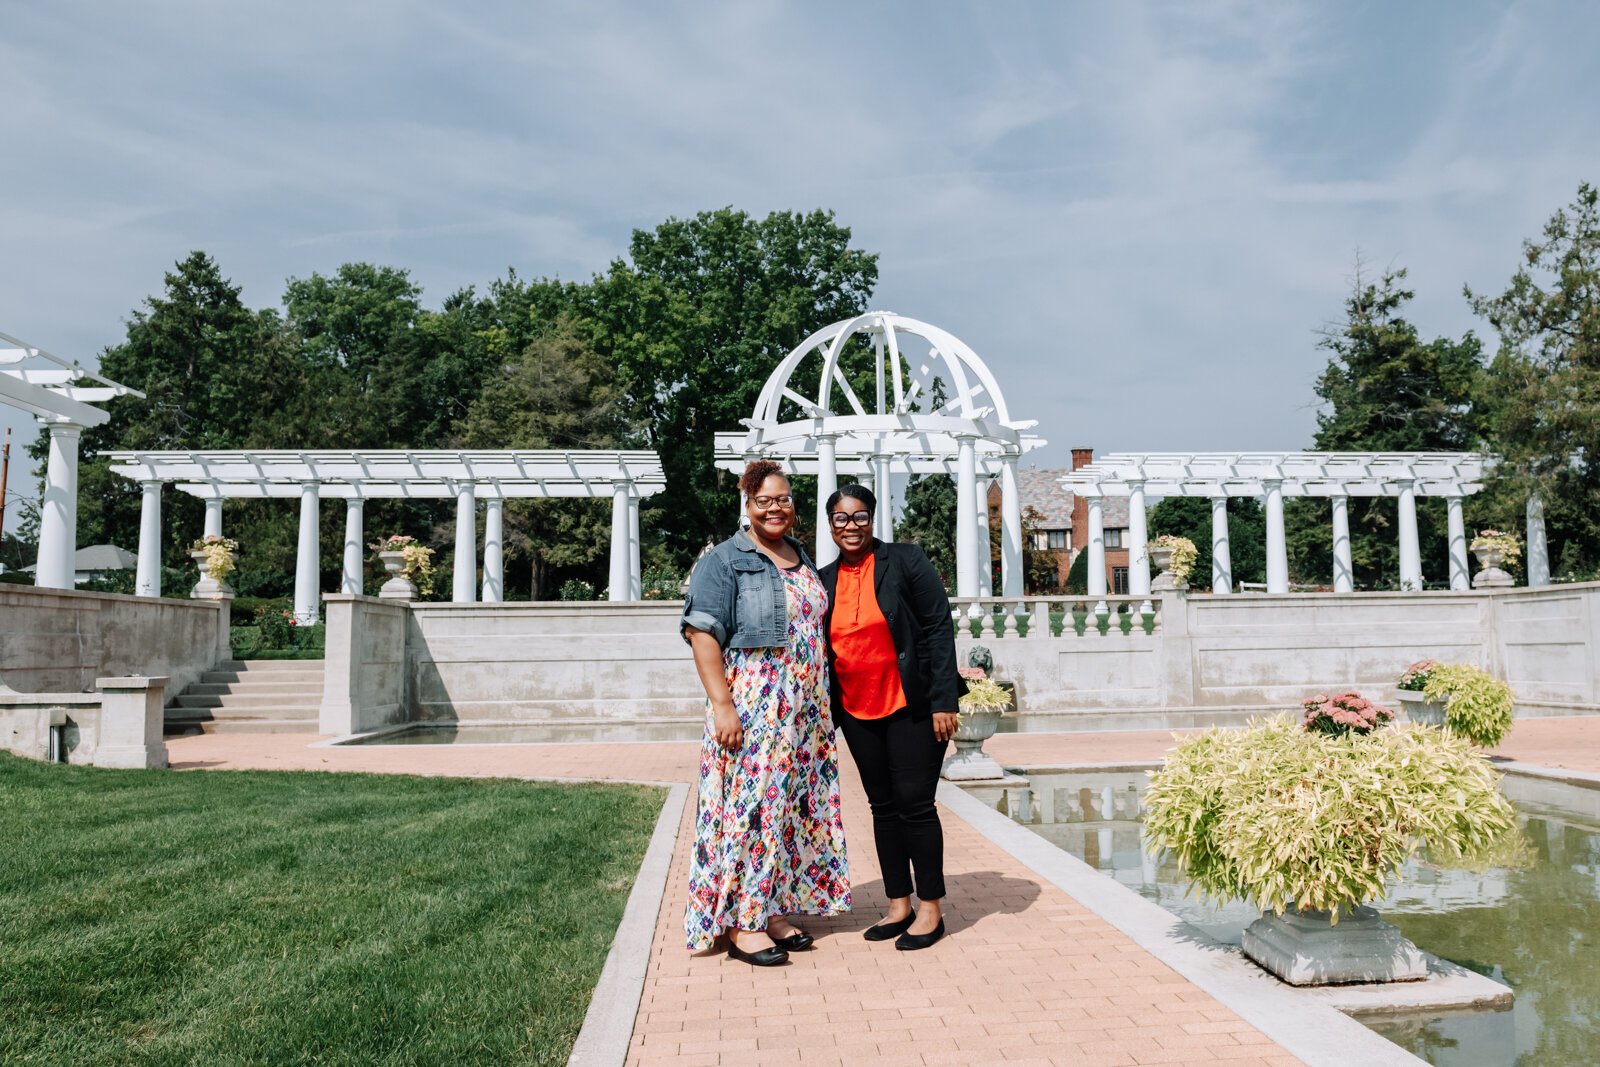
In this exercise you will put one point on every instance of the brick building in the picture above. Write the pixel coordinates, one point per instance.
(1062, 525)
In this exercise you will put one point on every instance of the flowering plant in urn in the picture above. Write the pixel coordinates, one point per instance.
(1415, 677)
(217, 552)
(1343, 713)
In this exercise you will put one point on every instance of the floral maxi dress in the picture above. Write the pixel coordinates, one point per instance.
(769, 839)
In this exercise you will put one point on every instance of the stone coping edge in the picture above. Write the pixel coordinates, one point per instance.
(1317, 1034)
(608, 1024)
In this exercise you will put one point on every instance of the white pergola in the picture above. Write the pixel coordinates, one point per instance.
(45, 386)
(356, 477)
(1271, 476)
(823, 427)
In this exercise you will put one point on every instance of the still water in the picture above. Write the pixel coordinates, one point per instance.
(1536, 930)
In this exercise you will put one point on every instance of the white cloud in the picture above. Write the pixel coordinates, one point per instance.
(1138, 213)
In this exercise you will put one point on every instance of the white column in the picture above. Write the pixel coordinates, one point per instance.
(1010, 529)
(213, 527)
(621, 558)
(827, 482)
(350, 579)
(1221, 554)
(1410, 553)
(1139, 539)
(985, 546)
(1460, 578)
(1344, 575)
(1277, 549)
(494, 555)
(1538, 548)
(58, 511)
(464, 579)
(147, 579)
(1096, 577)
(307, 560)
(635, 574)
(883, 521)
(966, 525)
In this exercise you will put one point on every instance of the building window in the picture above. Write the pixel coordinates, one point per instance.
(1113, 538)
(1056, 538)
(1119, 581)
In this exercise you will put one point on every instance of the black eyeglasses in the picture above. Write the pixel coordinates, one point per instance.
(765, 502)
(840, 520)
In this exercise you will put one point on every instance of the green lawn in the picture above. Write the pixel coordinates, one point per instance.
(155, 917)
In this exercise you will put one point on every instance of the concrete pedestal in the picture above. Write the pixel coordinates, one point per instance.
(131, 720)
(969, 762)
(1302, 948)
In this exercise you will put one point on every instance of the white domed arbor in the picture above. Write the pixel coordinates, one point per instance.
(933, 407)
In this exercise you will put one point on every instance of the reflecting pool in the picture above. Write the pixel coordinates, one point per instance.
(1536, 930)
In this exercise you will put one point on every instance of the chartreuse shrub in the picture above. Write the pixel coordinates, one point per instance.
(1477, 705)
(1285, 818)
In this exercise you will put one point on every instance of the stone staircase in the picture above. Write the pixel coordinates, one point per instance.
(271, 696)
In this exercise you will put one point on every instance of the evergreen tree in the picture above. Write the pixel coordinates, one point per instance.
(1384, 390)
(1190, 516)
(929, 520)
(1541, 398)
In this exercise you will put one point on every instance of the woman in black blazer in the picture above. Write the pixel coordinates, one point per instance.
(895, 688)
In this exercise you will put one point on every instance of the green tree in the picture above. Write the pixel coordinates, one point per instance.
(1190, 516)
(929, 520)
(556, 394)
(1541, 398)
(1384, 390)
(696, 318)
(213, 373)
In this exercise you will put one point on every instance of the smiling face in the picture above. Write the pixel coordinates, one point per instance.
(771, 509)
(855, 536)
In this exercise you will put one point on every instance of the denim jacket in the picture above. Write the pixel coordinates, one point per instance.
(736, 595)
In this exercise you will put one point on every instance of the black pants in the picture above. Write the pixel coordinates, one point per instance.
(899, 760)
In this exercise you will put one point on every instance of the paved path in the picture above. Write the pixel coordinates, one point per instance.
(1028, 976)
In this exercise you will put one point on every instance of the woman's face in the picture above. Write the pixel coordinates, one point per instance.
(856, 533)
(771, 509)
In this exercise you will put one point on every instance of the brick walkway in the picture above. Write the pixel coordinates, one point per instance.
(1027, 976)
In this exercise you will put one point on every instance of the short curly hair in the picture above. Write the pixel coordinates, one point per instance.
(756, 472)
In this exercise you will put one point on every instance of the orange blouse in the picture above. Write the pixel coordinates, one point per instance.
(864, 657)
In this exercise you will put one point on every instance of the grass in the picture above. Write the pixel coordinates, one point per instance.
(156, 917)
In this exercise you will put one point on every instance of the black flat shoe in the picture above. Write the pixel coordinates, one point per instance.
(889, 931)
(912, 942)
(794, 942)
(766, 957)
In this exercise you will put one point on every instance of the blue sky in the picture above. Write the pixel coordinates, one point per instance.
(1139, 214)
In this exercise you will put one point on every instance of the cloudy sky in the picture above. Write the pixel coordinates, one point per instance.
(1139, 214)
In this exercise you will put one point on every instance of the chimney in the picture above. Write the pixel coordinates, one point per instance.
(1082, 457)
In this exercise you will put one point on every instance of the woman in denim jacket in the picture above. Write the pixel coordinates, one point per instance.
(769, 840)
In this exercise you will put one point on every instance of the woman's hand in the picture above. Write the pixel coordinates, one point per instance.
(944, 725)
(728, 731)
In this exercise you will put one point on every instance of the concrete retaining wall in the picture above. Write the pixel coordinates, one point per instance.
(595, 662)
(364, 676)
(1210, 659)
(61, 640)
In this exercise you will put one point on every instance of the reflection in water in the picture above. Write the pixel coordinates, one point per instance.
(1537, 929)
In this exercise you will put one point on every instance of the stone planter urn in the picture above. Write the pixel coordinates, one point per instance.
(1489, 575)
(1419, 708)
(1161, 559)
(969, 762)
(209, 588)
(1303, 948)
(398, 587)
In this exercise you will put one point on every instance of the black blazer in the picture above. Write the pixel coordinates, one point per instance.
(914, 603)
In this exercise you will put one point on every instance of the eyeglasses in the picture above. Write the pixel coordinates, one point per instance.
(840, 520)
(765, 502)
